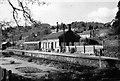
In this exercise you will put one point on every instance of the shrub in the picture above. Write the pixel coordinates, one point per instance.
(49, 50)
(63, 50)
(23, 53)
(112, 51)
(12, 62)
(30, 60)
(72, 50)
(6, 54)
(11, 53)
(57, 50)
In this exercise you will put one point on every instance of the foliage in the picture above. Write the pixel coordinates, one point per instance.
(116, 23)
(23, 6)
(30, 60)
(85, 26)
(19, 6)
(72, 50)
(32, 33)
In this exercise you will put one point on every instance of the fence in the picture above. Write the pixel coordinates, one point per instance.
(7, 75)
(88, 49)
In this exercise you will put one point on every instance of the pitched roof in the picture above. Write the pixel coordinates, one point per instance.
(71, 33)
(57, 35)
(53, 35)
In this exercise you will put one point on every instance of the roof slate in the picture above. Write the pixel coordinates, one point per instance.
(53, 36)
(56, 35)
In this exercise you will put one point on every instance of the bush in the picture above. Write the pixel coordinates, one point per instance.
(6, 54)
(23, 53)
(12, 62)
(57, 50)
(63, 50)
(30, 60)
(11, 53)
(49, 50)
(112, 51)
(72, 50)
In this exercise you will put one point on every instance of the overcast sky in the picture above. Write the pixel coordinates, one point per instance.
(68, 11)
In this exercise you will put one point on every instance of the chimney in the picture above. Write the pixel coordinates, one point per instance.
(69, 25)
(63, 25)
(57, 27)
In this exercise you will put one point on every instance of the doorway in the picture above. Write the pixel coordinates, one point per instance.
(52, 45)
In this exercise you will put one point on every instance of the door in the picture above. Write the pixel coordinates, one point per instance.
(39, 45)
(52, 45)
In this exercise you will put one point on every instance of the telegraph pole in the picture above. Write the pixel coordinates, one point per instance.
(63, 25)
(57, 27)
(0, 37)
(100, 64)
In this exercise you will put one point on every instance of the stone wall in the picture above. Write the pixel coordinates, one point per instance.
(64, 58)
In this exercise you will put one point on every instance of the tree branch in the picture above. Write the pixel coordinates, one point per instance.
(26, 11)
(26, 14)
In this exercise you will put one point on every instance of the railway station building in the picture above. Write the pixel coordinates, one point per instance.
(60, 40)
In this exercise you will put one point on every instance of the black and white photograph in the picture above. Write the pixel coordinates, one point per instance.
(59, 40)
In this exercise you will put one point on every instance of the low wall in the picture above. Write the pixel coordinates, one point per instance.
(88, 49)
(75, 60)
(63, 58)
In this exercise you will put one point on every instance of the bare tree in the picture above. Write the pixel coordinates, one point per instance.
(23, 7)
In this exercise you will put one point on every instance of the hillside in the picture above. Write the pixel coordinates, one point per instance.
(31, 32)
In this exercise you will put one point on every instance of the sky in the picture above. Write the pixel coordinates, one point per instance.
(67, 11)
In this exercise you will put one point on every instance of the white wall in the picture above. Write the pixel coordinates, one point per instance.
(85, 36)
(49, 44)
(88, 49)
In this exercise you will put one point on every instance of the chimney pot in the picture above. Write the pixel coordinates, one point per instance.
(57, 28)
(69, 25)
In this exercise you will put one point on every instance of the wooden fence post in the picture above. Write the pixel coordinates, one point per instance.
(100, 58)
(94, 49)
(4, 74)
(84, 48)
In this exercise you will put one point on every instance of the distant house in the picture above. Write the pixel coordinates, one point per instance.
(88, 41)
(85, 34)
(56, 41)
(103, 32)
(87, 38)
